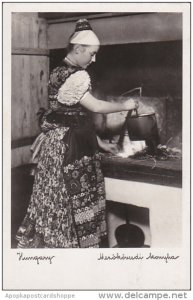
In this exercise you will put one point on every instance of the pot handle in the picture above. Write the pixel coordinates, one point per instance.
(130, 115)
(135, 111)
(124, 128)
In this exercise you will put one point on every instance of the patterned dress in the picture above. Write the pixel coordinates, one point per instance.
(67, 205)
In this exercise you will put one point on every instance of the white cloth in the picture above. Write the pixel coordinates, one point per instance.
(85, 37)
(36, 147)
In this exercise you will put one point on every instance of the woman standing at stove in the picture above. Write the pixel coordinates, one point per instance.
(67, 206)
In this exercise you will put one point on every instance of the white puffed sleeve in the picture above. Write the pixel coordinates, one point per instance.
(74, 88)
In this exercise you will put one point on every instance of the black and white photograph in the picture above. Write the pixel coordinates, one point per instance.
(96, 146)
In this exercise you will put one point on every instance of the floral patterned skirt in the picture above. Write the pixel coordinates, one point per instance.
(67, 205)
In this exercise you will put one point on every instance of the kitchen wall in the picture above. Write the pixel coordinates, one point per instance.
(30, 71)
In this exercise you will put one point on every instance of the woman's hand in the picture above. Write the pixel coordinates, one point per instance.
(111, 148)
(107, 147)
(131, 104)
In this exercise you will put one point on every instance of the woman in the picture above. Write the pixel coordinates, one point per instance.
(67, 206)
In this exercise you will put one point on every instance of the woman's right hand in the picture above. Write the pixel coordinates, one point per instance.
(131, 104)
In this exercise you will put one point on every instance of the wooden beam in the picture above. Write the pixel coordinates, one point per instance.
(30, 51)
(89, 17)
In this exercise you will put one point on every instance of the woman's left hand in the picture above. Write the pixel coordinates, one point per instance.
(108, 147)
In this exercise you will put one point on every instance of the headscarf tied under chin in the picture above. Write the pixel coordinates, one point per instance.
(84, 35)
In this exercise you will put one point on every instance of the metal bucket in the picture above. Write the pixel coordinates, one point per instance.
(142, 127)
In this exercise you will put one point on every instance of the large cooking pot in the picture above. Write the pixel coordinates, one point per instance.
(141, 127)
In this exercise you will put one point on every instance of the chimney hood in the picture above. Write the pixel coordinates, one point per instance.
(117, 28)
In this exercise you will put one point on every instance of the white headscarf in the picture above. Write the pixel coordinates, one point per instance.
(84, 34)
